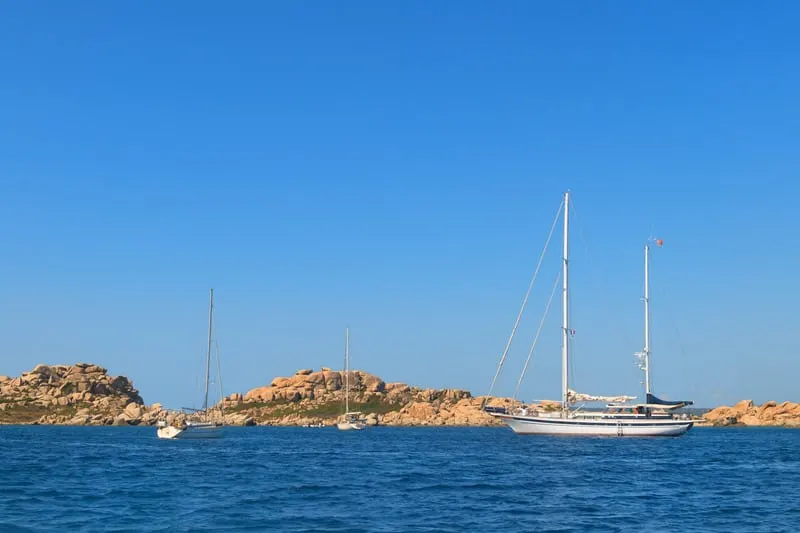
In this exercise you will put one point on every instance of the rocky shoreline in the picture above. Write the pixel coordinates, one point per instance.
(78, 394)
(746, 413)
(85, 394)
(316, 397)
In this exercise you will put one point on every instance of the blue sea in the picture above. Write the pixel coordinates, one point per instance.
(123, 479)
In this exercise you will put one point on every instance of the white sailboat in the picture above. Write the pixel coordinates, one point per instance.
(652, 418)
(350, 420)
(199, 424)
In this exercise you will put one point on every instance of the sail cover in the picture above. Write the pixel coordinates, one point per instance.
(653, 400)
(574, 397)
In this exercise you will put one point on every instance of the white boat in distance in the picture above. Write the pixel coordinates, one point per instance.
(349, 420)
(199, 425)
(190, 430)
(650, 419)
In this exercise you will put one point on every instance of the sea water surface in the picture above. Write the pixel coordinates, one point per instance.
(116, 479)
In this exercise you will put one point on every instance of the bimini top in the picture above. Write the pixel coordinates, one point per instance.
(653, 402)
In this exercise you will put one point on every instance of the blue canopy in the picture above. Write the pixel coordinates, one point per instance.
(653, 400)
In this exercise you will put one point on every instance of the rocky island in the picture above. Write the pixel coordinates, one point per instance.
(78, 394)
(85, 394)
(313, 397)
(746, 413)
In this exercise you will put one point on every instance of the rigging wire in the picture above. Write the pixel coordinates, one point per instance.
(571, 369)
(594, 268)
(218, 381)
(573, 355)
(219, 375)
(536, 338)
(595, 272)
(198, 386)
(525, 300)
(665, 305)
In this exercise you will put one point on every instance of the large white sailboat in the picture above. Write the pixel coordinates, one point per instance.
(349, 420)
(199, 424)
(620, 418)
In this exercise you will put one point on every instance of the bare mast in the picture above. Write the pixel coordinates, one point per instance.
(208, 352)
(347, 370)
(565, 306)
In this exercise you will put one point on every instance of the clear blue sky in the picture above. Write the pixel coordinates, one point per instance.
(395, 167)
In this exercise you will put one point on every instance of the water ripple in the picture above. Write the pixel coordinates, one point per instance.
(391, 479)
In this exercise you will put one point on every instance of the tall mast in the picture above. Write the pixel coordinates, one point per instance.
(208, 352)
(565, 306)
(347, 369)
(647, 318)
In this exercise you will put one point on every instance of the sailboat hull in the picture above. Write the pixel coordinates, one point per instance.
(199, 431)
(350, 426)
(533, 425)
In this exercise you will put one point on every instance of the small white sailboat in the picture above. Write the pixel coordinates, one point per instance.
(198, 425)
(349, 420)
(190, 430)
(622, 419)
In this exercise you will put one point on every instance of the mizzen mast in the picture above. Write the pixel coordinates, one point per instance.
(644, 355)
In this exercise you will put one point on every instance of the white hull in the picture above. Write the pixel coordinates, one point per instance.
(608, 427)
(348, 426)
(190, 432)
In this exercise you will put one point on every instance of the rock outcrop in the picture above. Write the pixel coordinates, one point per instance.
(462, 412)
(745, 413)
(314, 397)
(79, 394)
(82, 394)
